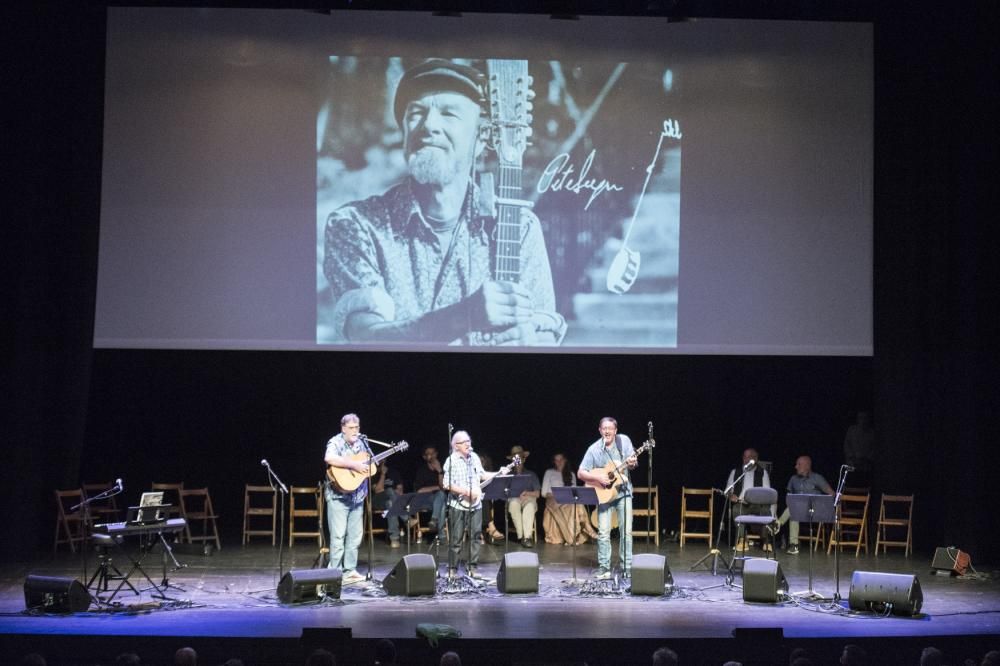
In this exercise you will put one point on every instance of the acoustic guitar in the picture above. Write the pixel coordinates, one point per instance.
(347, 480)
(614, 475)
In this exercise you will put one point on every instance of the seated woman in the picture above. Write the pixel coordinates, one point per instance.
(491, 531)
(558, 520)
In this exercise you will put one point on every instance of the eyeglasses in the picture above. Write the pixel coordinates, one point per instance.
(464, 441)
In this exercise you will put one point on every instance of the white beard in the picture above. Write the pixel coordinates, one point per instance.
(429, 166)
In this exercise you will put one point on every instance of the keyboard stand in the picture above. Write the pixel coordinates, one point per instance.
(145, 545)
(168, 552)
(149, 535)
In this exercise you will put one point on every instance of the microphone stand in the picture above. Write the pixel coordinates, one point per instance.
(447, 509)
(716, 553)
(649, 487)
(844, 469)
(468, 518)
(369, 576)
(276, 484)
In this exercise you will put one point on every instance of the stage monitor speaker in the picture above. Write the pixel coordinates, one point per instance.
(763, 581)
(877, 591)
(299, 585)
(55, 594)
(650, 574)
(413, 576)
(950, 560)
(518, 573)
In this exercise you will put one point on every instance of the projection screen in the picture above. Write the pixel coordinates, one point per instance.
(277, 179)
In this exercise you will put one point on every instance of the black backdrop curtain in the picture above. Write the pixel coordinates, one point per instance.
(72, 414)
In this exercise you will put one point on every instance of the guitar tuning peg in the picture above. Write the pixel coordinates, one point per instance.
(528, 119)
(531, 93)
(528, 106)
(528, 132)
(531, 79)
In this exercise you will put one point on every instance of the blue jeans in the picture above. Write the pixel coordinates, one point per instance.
(623, 506)
(437, 511)
(383, 501)
(346, 524)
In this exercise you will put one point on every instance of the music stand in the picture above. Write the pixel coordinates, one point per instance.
(408, 504)
(574, 495)
(505, 487)
(810, 509)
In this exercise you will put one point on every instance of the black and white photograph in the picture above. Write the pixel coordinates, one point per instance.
(498, 203)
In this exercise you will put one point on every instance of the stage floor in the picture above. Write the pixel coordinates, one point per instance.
(232, 594)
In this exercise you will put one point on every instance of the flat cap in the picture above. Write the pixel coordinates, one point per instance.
(436, 75)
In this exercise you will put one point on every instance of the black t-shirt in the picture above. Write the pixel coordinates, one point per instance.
(425, 477)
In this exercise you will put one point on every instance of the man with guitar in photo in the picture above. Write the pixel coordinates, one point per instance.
(605, 467)
(438, 258)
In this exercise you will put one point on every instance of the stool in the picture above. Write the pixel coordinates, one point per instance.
(106, 570)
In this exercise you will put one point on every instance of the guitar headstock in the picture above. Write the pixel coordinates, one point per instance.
(510, 108)
(515, 462)
(402, 445)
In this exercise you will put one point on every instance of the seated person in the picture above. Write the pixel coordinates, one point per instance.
(562, 521)
(524, 507)
(385, 489)
(490, 512)
(756, 477)
(428, 480)
(803, 482)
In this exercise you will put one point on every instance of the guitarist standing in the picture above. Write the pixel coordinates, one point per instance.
(345, 510)
(463, 473)
(607, 461)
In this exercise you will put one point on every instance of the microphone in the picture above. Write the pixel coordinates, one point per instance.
(118, 482)
(264, 462)
(650, 425)
(749, 465)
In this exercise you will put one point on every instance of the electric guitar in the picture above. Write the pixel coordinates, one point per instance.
(469, 503)
(614, 473)
(347, 480)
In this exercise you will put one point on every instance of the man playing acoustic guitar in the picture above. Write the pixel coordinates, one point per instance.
(345, 511)
(605, 465)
